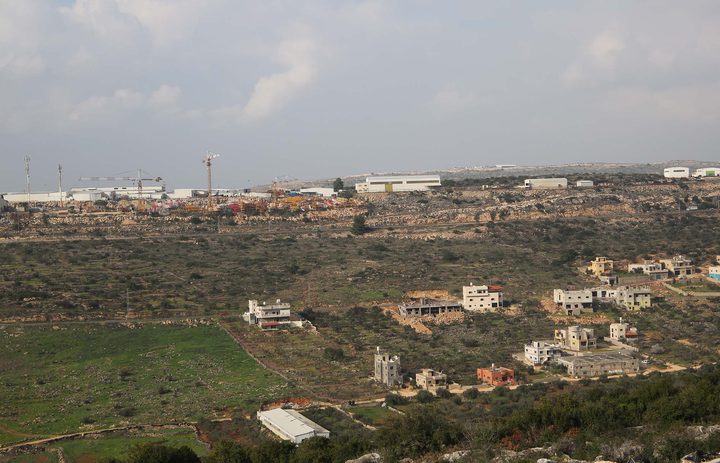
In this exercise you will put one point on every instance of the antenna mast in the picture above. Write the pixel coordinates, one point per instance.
(207, 160)
(27, 178)
(60, 184)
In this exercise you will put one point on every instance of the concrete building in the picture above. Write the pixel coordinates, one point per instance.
(600, 266)
(546, 183)
(630, 297)
(429, 307)
(573, 302)
(497, 376)
(591, 366)
(35, 197)
(541, 352)
(677, 172)
(431, 380)
(87, 196)
(576, 338)
(714, 272)
(622, 331)
(120, 192)
(387, 369)
(584, 184)
(291, 425)
(653, 269)
(3, 204)
(317, 191)
(398, 183)
(482, 298)
(268, 317)
(609, 279)
(707, 172)
(678, 266)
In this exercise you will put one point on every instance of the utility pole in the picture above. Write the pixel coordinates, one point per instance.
(27, 179)
(60, 184)
(207, 160)
(127, 303)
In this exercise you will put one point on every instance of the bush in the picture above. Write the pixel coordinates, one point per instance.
(471, 393)
(444, 393)
(395, 400)
(424, 397)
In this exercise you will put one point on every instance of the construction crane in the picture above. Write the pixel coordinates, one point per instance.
(207, 160)
(137, 180)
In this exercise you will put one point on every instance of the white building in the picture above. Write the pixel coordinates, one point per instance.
(622, 331)
(269, 316)
(573, 302)
(677, 172)
(482, 298)
(87, 196)
(324, 192)
(545, 183)
(291, 425)
(39, 197)
(390, 184)
(630, 297)
(3, 204)
(119, 192)
(707, 172)
(584, 183)
(541, 352)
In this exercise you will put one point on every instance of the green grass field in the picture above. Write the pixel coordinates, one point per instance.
(373, 415)
(94, 377)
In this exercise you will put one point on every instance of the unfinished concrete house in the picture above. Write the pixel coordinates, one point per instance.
(622, 331)
(387, 369)
(629, 297)
(678, 266)
(497, 376)
(482, 298)
(541, 352)
(573, 302)
(591, 366)
(600, 266)
(429, 307)
(652, 269)
(576, 338)
(431, 380)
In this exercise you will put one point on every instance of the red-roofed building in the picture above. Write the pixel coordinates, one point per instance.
(497, 376)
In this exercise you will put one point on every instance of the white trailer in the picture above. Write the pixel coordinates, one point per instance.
(677, 172)
(546, 183)
(707, 172)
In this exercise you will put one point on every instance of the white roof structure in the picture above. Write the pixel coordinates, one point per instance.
(291, 425)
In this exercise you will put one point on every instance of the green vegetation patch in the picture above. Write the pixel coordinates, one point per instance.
(86, 377)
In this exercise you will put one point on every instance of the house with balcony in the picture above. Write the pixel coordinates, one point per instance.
(485, 298)
(269, 316)
(678, 266)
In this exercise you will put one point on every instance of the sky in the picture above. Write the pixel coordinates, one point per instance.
(320, 89)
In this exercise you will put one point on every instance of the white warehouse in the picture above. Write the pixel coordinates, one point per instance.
(291, 425)
(390, 184)
(545, 183)
(677, 172)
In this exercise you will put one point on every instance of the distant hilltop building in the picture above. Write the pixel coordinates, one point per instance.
(677, 172)
(546, 183)
(482, 298)
(389, 184)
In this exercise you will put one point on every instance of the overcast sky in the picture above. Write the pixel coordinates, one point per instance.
(314, 89)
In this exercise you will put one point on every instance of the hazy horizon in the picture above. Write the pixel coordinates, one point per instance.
(324, 89)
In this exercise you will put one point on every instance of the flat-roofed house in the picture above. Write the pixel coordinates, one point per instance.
(485, 298)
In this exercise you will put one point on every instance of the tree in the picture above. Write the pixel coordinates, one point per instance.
(359, 227)
(154, 453)
(228, 452)
(338, 184)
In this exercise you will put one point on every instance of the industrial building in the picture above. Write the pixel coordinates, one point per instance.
(387, 369)
(573, 302)
(497, 376)
(541, 352)
(576, 338)
(546, 183)
(431, 380)
(707, 172)
(389, 184)
(678, 266)
(677, 172)
(429, 307)
(590, 366)
(482, 298)
(269, 316)
(291, 425)
(317, 191)
(36, 197)
(600, 266)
